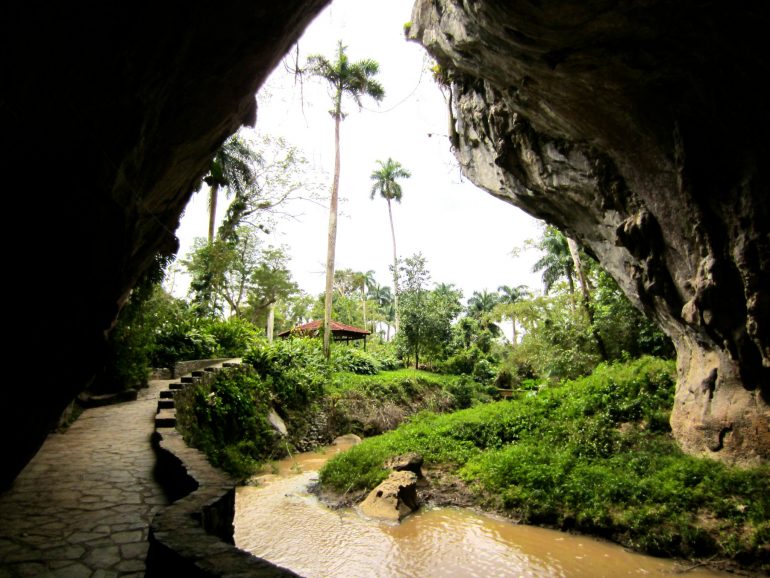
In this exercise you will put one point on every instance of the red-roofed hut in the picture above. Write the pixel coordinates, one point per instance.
(340, 331)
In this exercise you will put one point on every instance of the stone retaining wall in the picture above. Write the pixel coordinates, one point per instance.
(184, 367)
(194, 535)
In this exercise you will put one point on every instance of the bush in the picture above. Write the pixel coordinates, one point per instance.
(388, 362)
(233, 336)
(183, 339)
(227, 419)
(484, 372)
(295, 369)
(354, 360)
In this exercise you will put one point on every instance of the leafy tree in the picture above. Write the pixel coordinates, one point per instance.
(282, 175)
(232, 168)
(222, 271)
(271, 282)
(206, 264)
(386, 184)
(426, 316)
(354, 79)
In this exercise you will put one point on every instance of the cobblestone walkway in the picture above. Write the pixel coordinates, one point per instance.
(83, 505)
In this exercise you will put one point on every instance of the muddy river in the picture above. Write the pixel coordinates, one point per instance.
(279, 521)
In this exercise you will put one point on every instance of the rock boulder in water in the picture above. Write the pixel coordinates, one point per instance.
(393, 499)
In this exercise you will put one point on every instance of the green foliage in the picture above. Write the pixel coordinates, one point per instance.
(558, 343)
(372, 404)
(131, 343)
(294, 369)
(589, 455)
(624, 329)
(385, 180)
(354, 360)
(227, 419)
(182, 336)
(346, 78)
(426, 315)
(232, 336)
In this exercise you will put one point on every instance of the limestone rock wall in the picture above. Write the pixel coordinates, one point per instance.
(110, 114)
(637, 128)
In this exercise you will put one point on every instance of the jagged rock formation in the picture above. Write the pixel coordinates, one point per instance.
(110, 113)
(638, 128)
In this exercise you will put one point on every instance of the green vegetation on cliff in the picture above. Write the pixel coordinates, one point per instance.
(595, 455)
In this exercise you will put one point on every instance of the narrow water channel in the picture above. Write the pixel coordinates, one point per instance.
(279, 521)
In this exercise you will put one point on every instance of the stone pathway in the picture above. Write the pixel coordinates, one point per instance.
(83, 505)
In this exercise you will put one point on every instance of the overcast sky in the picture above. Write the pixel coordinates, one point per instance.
(465, 234)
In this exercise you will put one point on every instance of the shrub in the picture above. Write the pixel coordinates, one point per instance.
(227, 419)
(295, 369)
(354, 360)
(232, 336)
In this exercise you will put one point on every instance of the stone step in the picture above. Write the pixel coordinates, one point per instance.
(165, 418)
(176, 385)
(167, 393)
(187, 379)
(197, 373)
(211, 369)
(230, 364)
(165, 404)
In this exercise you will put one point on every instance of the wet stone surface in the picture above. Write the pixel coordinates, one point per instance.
(83, 505)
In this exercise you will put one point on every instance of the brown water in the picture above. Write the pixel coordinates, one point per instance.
(279, 521)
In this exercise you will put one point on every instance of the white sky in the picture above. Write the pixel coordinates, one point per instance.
(465, 234)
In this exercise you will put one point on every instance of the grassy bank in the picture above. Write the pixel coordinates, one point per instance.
(228, 418)
(594, 455)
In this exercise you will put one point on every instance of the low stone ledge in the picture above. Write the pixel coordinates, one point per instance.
(194, 535)
(185, 367)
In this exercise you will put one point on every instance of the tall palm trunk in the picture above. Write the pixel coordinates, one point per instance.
(363, 301)
(395, 268)
(577, 261)
(332, 241)
(213, 191)
(270, 321)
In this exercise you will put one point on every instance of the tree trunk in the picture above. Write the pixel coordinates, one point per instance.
(332, 241)
(513, 324)
(395, 268)
(363, 297)
(213, 191)
(573, 249)
(270, 321)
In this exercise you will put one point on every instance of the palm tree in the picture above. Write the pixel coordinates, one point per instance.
(233, 168)
(384, 299)
(364, 281)
(480, 305)
(385, 183)
(556, 262)
(562, 259)
(510, 296)
(354, 79)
